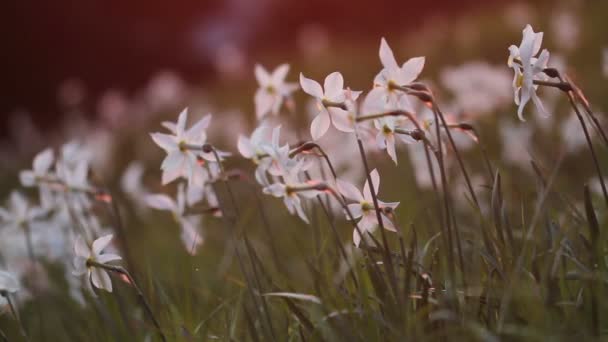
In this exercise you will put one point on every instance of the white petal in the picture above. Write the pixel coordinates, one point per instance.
(43, 161)
(180, 128)
(245, 147)
(386, 56)
(108, 257)
(101, 243)
(264, 103)
(165, 141)
(197, 132)
(311, 87)
(27, 178)
(261, 75)
(356, 237)
(355, 210)
(349, 191)
(101, 279)
(411, 70)
(375, 177)
(390, 147)
(80, 248)
(320, 124)
(173, 160)
(333, 86)
(279, 74)
(160, 202)
(341, 120)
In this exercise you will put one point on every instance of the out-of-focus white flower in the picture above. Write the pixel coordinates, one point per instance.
(566, 29)
(253, 147)
(272, 91)
(478, 88)
(131, 181)
(182, 159)
(190, 236)
(328, 98)
(516, 139)
(531, 68)
(393, 75)
(291, 190)
(19, 213)
(41, 168)
(571, 133)
(364, 206)
(8, 284)
(97, 276)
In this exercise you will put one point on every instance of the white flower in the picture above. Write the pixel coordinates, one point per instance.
(531, 68)
(272, 91)
(97, 276)
(364, 206)
(181, 160)
(331, 95)
(41, 166)
(19, 213)
(393, 75)
(131, 181)
(291, 190)
(190, 236)
(8, 284)
(253, 147)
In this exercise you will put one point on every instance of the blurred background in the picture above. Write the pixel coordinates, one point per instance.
(88, 69)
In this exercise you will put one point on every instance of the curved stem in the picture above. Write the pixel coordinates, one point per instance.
(122, 271)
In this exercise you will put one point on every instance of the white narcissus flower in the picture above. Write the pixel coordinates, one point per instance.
(98, 277)
(364, 206)
(190, 236)
(332, 94)
(253, 147)
(19, 213)
(272, 91)
(394, 75)
(40, 168)
(528, 68)
(182, 161)
(290, 193)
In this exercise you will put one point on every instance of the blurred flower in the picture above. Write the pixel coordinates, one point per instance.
(131, 181)
(364, 207)
(189, 235)
(291, 189)
(478, 87)
(313, 40)
(252, 147)
(516, 138)
(183, 150)
(98, 277)
(272, 91)
(329, 99)
(566, 29)
(230, 59)
(530, 67)
(41, 167)
(19, 213)
(393, 75)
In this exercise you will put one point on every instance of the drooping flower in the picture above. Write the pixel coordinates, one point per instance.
(291, 189)
(330, 103)
(364, 206)
(189, 235)
(393, 75)
(528, 68)
(183, 149)
(97, 276)
(272, 91)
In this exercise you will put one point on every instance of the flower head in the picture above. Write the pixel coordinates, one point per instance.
(272, 91)
(19, 213)
(184, 150)
(528, 68)
(40, 169)
(392, 75)
(84, 256)
(364, 206)
(330, 103)
(8, 284)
